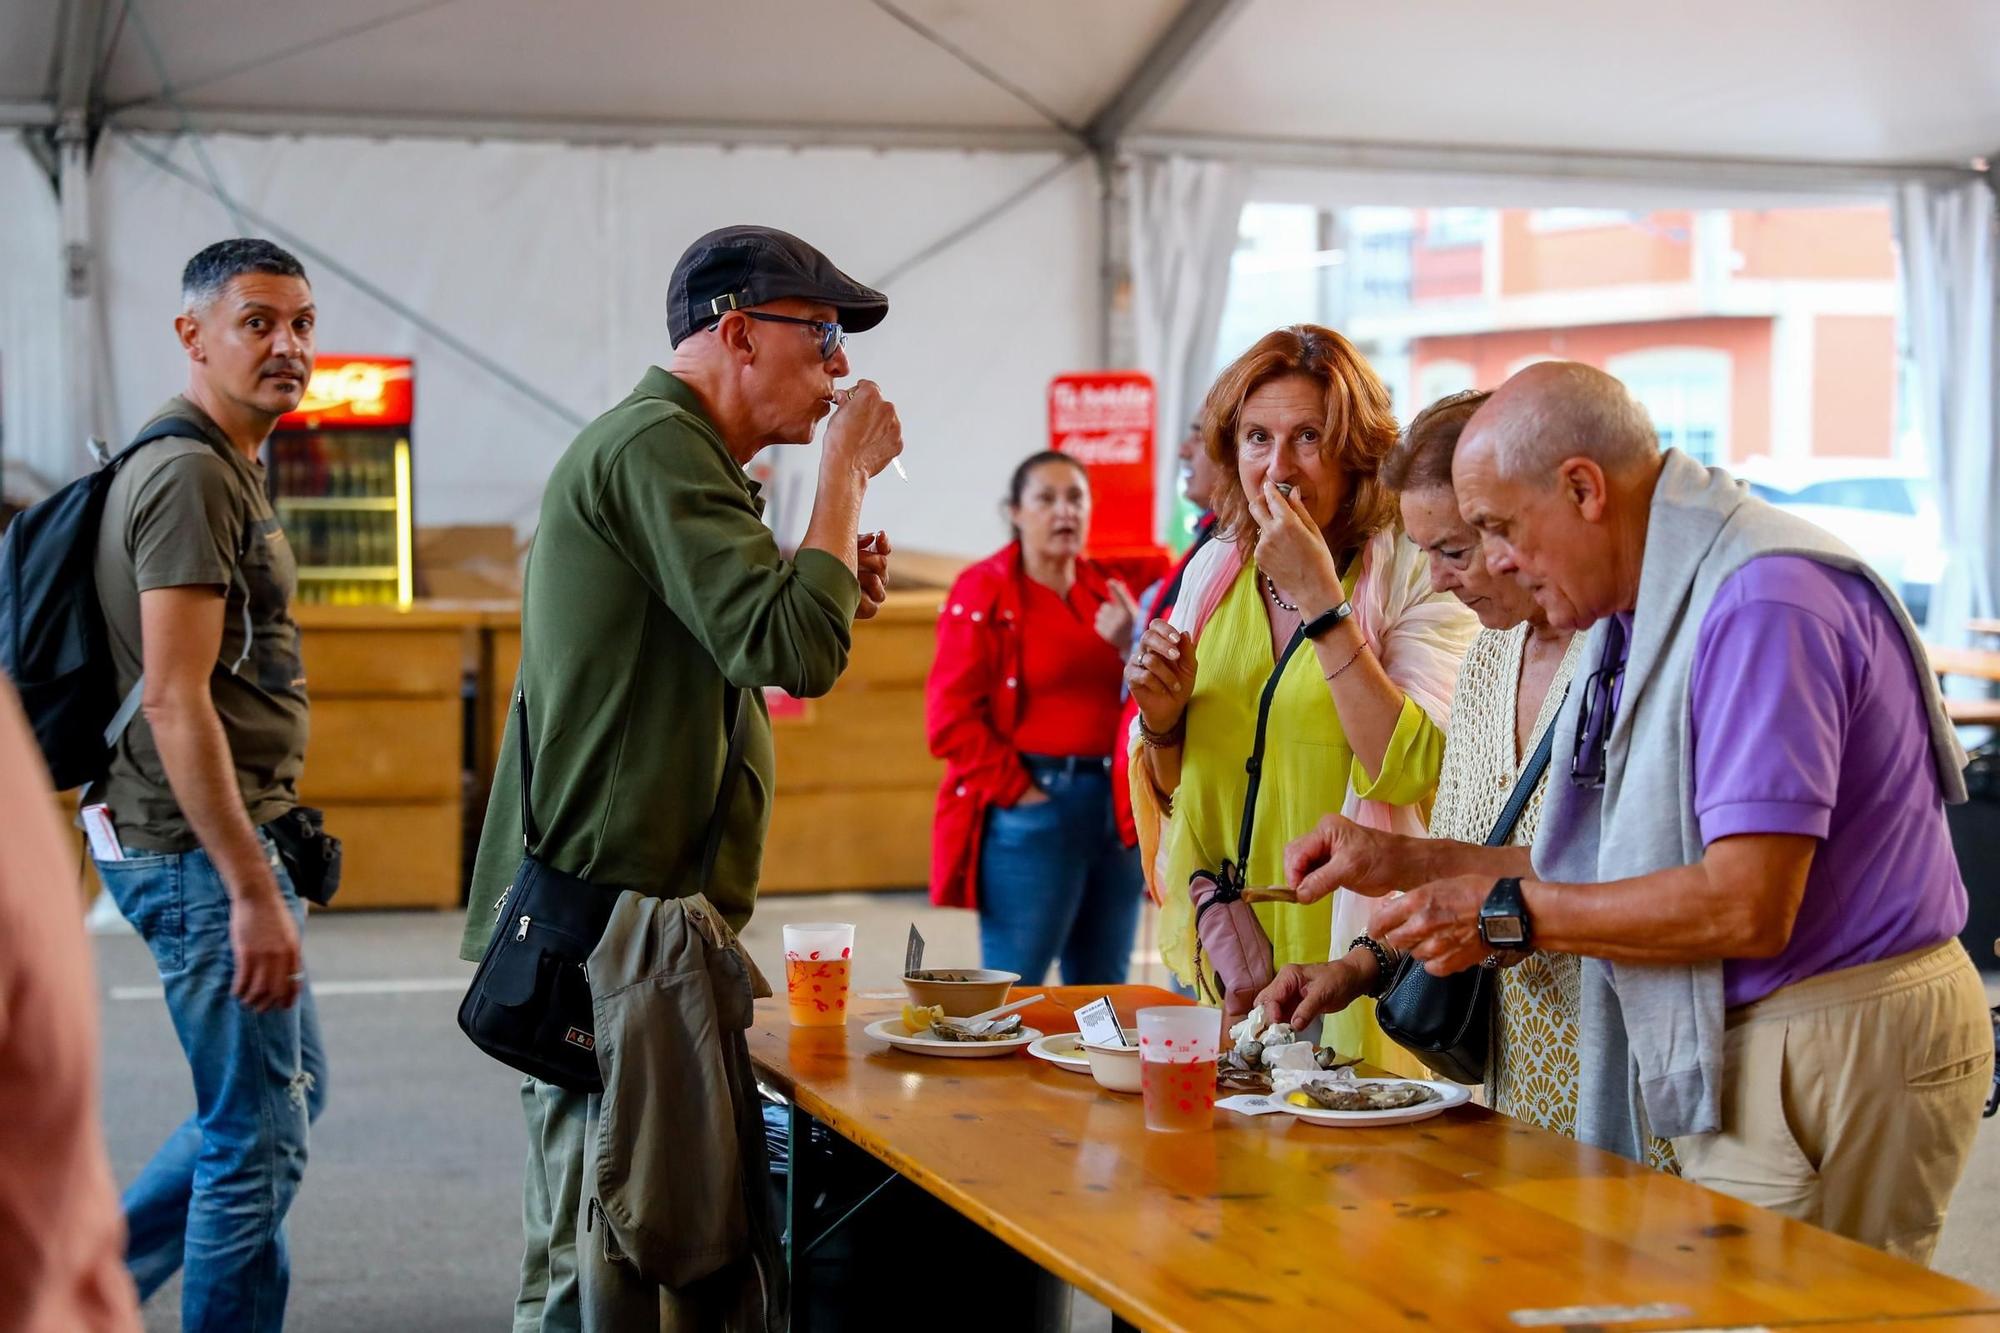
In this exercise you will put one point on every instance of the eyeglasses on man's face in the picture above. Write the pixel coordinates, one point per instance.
(831, 336)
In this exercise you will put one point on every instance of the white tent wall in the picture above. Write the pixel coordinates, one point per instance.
(33, 451)
(1951, 300)
(553, 260)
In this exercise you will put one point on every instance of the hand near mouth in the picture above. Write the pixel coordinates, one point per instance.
(1291, 550)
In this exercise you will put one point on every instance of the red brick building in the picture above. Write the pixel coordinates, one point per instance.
(1745, 333)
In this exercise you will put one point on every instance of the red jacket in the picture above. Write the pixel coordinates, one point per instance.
(972, 703)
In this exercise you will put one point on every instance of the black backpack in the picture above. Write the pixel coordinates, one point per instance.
(52, 640)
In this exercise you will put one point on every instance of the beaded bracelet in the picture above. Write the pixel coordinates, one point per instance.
(1385, 964)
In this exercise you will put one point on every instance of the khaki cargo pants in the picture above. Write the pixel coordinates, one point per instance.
(1850, 1100)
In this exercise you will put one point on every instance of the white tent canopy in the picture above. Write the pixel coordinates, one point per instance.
(1783, 81)
(499, 187)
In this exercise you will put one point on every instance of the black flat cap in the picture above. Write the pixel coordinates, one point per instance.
(744, 266)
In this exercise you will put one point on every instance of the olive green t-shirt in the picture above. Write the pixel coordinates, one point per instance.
(193, 512)
(653, 591)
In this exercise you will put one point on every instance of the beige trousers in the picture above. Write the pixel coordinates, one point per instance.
(1850, 1100)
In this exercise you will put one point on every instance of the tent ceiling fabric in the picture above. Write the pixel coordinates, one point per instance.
(776, 62)
(33, 31)
(1782, 79)
(1790, 80)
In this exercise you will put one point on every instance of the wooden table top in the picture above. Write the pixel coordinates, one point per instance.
(1469, 1220)
(1981, 662)
(1973, 712)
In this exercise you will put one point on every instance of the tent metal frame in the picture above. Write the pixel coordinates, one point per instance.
(63, 132)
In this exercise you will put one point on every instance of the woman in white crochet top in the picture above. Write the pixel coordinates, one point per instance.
(1509, 688)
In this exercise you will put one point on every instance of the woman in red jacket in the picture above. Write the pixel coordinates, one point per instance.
(1023, 706)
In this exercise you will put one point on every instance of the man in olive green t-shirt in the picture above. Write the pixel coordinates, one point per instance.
(195, 580)
(654, 595)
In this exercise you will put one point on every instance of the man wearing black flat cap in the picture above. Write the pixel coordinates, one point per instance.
(657, 607)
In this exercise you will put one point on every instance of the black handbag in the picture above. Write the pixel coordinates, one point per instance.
(1447, 1022)
(529, 1003)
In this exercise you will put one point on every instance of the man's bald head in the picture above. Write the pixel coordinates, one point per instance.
(1556, 472)
(1557, 410)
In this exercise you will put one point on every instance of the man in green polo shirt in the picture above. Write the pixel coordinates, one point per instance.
(654, 595)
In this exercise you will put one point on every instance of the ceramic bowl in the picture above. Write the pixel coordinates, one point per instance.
(1116, 1068)
(961, 991)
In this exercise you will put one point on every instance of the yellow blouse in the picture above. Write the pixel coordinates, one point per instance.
(1308, 766)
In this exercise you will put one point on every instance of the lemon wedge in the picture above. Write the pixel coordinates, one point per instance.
(919, 1017)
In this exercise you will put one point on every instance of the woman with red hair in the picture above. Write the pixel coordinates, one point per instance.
(1308, 545)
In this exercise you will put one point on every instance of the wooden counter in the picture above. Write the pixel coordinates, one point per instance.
(856, 782)
(386, 760)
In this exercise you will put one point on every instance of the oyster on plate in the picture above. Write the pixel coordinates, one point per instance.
(1350, 1095)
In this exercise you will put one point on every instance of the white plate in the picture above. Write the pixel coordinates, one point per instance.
(1061, 1049)
(1449, 1095)
(892, 1031)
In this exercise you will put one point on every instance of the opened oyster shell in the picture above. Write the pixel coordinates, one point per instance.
(1339, 1090)
(986, 1029)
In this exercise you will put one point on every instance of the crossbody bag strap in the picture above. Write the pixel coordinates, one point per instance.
(732, 767)
(1254, 766)
(529, 837)
(1524, 786)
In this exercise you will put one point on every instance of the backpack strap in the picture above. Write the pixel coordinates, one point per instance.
(175, 428)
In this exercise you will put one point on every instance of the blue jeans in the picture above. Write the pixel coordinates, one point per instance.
(1056, 882)
(214, 1197)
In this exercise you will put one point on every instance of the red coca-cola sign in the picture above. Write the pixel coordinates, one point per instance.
(1105, 419)
(354, 391)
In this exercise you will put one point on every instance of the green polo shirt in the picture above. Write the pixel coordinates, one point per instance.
(653, 587)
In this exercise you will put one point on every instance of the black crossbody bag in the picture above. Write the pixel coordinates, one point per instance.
(529, 1002)
(1447, 1022)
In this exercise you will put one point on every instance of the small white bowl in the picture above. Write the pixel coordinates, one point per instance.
(1116, 1068)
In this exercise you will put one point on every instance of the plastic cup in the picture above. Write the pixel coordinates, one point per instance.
(817, 958)
(1177, 1050)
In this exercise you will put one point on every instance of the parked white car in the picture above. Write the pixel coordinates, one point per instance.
(1884, 509)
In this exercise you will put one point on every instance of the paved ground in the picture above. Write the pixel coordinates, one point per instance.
(410, 1216)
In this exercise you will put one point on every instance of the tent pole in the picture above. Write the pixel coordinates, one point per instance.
(1114, 313)
(76, 126)
(79, 319)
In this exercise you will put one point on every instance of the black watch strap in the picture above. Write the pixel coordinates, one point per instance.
(1326, 620)
(1506, 900)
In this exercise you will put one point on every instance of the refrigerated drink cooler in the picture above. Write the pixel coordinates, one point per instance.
(340, 478)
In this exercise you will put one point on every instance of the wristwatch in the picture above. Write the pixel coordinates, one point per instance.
(1326, 620)
(1503, 917)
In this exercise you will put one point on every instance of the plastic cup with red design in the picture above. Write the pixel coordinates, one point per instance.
(1177, 1049)
(817, 958)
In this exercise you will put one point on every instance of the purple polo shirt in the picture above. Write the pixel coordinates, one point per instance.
(1808, 718)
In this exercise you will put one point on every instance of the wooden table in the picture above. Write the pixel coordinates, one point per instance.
(1982, 626)
(1973, 712)
(1468, 1221)
(1981, 663)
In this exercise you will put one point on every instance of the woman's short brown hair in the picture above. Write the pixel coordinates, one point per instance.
(1360, 426)
(1421, 460)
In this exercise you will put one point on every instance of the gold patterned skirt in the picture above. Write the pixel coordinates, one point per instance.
(1535, 1065)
